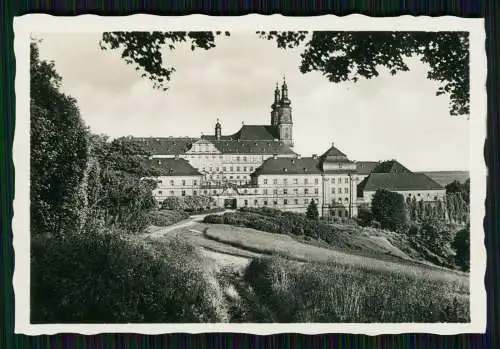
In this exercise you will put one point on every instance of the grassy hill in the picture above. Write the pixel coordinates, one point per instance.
(446, 177)
(344, 273)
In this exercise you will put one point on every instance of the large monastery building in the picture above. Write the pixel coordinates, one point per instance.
(256, 166)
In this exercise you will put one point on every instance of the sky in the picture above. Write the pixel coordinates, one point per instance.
(388, 117)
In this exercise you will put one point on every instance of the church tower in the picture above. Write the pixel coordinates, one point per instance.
(285, 123)
(275, 107)
(218, 130)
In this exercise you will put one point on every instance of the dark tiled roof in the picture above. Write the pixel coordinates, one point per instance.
(366, 167)
(446, 177)
(253, 147)
(250, 133)
(289, 166)
(165, 145)
(398, 182)
(173, 167)
(176, 146)
(390, 166)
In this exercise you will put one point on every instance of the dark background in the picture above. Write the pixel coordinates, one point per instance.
(381, 8)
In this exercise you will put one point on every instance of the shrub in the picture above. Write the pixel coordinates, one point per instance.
(188, 203)
(165, 218)
(108, 277)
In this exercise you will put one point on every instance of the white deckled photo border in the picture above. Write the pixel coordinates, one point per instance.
(27, 24)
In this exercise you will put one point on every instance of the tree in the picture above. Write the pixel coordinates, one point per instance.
(340, 56)
(58, 151)
(117, 192)
(463, 190)
(461, 245)
(312, 211)
(388, 208)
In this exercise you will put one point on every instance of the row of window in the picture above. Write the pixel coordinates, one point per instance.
(195, 192)
(231, 169)
(183, 182)
(295, 191)
(278, 202)
(306, 181)
(227, 177)
(340, 191)
(237, 158)
(265, 191)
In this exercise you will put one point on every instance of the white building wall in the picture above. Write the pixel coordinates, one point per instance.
(425, 195)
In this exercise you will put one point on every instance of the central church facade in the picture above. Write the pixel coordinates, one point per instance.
(256, 167)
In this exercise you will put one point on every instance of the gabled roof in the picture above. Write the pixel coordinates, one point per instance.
(250, 133)
(288, 166)
(333, 152)
(173, 167)
(390, 166)
(164, 145)
(398, 182)
(365, 167)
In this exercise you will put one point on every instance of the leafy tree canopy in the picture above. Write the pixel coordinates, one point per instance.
(388, 208)
(58, 140)
(339, 56)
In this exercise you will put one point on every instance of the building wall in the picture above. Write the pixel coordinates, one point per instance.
(291, 192)
(226, 168)
(339, 197)
(425, 195)
(177, 186)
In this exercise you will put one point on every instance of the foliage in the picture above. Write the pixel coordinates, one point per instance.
(388, 208)
(461, 245)
(101, 276)
(312, 211)
(144, 49)
(58, 151)
(437, 236)
(188, 203)
(118, 192)
(462, 189)
(314, 292)
(349, 56)
(164, 218)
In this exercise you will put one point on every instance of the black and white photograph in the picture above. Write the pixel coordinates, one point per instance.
(255, 174)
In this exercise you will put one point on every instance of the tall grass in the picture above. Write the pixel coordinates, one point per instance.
(313, 292)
